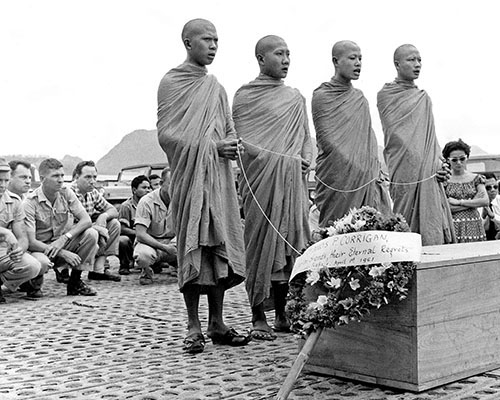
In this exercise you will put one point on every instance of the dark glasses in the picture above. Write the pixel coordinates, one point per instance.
(461, 159)
(489, 187)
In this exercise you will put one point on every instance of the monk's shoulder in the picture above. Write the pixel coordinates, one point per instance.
(294, 92)
(320, 94)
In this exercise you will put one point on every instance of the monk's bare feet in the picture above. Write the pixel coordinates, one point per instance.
(262, 331)
(281, 324)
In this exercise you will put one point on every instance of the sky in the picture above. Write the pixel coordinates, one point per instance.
(77, 76)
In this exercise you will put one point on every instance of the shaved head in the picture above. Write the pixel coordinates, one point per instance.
(195, 27)
(268, 43)
(341, 47)
(402, 51)
(408, 62)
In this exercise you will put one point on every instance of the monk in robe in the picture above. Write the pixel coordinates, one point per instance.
(271, 120)
(412, 152)
(347, 166)
(196, 132)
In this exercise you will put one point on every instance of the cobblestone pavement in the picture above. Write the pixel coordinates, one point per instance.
(126, 343)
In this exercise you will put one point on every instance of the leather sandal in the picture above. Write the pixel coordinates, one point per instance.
(230, 338)
(194, 343)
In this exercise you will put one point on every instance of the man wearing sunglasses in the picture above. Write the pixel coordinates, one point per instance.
(491, 214)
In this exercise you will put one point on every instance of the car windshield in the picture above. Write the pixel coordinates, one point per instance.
(128, 174)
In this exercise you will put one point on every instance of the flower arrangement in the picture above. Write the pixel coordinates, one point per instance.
(327, 297)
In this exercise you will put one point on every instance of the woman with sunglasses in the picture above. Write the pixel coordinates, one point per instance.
(466, 193)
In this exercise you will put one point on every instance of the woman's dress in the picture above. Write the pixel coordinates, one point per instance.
(468, 223)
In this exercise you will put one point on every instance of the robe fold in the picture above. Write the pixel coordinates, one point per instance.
(271, 119)
(347, 153)
(193, 114)
(412, 154)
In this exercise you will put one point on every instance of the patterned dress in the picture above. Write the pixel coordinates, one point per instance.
(468, 223)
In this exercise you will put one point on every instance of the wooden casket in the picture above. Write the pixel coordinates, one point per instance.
(447, 329)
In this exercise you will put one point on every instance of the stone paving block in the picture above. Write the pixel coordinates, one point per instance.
(126, 343)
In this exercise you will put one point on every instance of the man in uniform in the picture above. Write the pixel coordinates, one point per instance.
(126, 216)
(154, 231)
(51, 211)
(17, 267)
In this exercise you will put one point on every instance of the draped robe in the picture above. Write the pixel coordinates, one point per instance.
(347, 153)
(271, 119)
(412, 154)
(193, 114)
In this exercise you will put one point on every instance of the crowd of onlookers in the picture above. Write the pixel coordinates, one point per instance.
(73, 228)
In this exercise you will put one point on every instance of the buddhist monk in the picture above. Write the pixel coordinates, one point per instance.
(271, 120)
(412, 152)
(196, 132)
(347, 166)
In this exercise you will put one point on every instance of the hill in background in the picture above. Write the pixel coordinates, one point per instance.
(138, 147)
(141, 147)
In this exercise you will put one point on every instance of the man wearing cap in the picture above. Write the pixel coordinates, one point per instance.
(17, 268)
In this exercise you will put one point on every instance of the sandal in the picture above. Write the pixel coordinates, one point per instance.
(261, 334)
(194, 343)
(230, 338)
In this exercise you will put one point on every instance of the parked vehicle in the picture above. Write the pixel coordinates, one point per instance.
(117, 191)
(485, 163)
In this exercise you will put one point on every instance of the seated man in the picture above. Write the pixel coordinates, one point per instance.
(140, 187)
(17, 268)
(103, 215)
(51, 211)
(20, 178)
(491, 214)
(154, 231)
(155, 181)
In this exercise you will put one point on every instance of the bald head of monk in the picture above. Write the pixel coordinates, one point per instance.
(273, 56)
(408, 62)
(201, 42)
(346, 58)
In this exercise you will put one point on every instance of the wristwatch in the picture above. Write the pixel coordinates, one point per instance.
(68, 235)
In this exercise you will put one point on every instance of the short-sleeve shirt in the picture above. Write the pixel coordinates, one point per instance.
(47, 220)
(126, 215)
(93, 201)
(11, 210)
(155, 216)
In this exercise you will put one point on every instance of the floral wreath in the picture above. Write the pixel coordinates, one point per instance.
(348, 293)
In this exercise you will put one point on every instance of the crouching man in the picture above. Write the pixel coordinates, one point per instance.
(17, 268)
(51, 210)
(104, 217)
(140, 187)
(154, 231)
